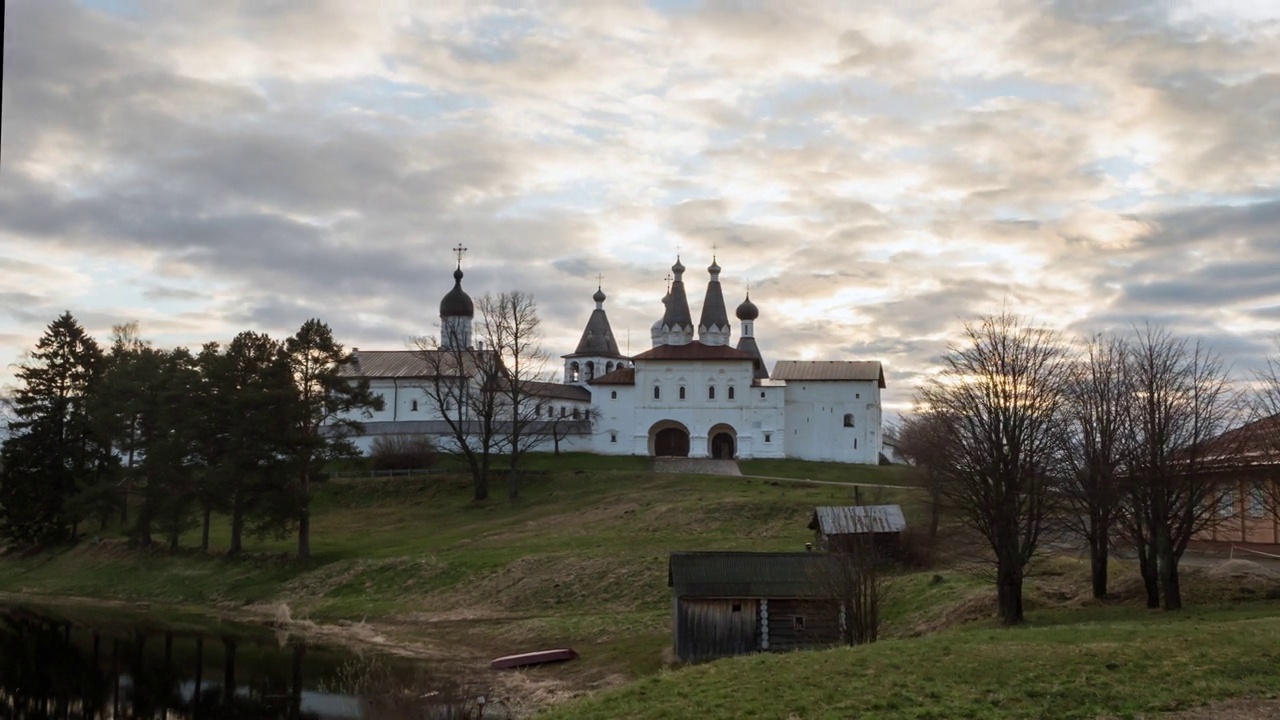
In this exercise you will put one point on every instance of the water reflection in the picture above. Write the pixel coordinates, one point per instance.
(54, 667)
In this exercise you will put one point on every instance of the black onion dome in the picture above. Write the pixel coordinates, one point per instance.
(747, 310)
(457, 303)
(599, 296)
(678, 267)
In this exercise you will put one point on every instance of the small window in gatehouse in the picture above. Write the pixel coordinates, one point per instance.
(681, 392)
(711, 392)
(414, 406)
(730, 392)
(848, 419)
(613, 437)
(657, 393)
(613, 394)
(768, 437)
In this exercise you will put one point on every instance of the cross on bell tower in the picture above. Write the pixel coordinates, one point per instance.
(459, 251)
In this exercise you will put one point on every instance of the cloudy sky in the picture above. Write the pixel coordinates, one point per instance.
(877, 172)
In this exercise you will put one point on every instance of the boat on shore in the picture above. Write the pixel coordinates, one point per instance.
(538, 657)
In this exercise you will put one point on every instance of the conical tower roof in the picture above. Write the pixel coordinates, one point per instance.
(597, 337)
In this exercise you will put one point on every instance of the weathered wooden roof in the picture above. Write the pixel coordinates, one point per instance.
(858, 519)
(621, 376)
(821, 370)
(745, 574)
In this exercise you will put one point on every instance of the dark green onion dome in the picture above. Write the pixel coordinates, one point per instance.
(747, 310)
(457, 303)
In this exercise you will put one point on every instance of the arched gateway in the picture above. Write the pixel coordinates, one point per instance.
(669, 439)
(722, 442)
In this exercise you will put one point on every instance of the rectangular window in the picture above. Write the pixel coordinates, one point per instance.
(1257, 502)
(797, 622)
(1227, 504)
(613, 437)
(768, 437)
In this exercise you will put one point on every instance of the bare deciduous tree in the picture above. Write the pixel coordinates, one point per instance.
(463, 388)
(1180, 401)
(1000, 396)
(1097, 402)
(855, 575)
(921, 441)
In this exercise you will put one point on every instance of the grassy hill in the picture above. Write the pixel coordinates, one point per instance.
(580, 560)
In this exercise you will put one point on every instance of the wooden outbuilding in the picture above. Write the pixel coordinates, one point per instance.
(846, 529)
(733, 603)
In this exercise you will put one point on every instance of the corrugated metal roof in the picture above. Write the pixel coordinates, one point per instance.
(408, 363)
(817, 370)
(858, 519)
(693, 351)
(746, 574)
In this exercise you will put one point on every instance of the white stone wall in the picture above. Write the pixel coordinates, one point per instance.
(815, 418)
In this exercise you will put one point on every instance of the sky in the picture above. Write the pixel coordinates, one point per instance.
(878, 173)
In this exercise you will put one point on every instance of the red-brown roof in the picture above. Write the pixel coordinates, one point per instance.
(693, 351)
(621, 376)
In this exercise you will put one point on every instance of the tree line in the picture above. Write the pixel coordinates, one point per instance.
(163, 440)
(1120, 439)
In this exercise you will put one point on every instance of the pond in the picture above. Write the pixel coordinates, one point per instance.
(78, 663)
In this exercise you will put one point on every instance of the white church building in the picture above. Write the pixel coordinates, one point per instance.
(693, 393)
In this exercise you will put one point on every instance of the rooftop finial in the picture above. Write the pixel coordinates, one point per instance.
(459, 251)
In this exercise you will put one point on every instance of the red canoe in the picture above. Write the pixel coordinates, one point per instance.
(532, 658)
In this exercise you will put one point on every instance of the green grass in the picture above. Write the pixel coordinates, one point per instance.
(1066, 669)
(580, 560)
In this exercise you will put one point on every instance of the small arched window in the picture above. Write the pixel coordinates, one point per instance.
(657, 392)
(608, 367)
(576, 414)
(613, 394)
(563, 411)
(848, 419)
(591, 369)
(681, 392)
(413, 407)
(574, 372)
(730, 392)
(711, 392)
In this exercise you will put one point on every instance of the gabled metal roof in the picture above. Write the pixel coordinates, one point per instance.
(819, 370)
(410, 363)
(746, 574)
(695, 350)
(858, 519)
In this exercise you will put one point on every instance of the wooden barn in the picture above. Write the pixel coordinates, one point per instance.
(732, 603)
(845, 529)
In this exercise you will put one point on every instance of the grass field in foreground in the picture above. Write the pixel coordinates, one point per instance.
(579, 559)
(1118, 668)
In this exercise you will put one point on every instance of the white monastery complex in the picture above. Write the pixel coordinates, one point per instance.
(694, 393)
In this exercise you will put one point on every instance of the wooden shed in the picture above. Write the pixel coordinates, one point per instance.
(732, 603)
(844, 529)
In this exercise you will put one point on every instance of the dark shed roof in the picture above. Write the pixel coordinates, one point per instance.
(745, 574)
(621, 376)
(858, 519)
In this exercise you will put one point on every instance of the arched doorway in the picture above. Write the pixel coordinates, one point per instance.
(722, 442)
(669, 439)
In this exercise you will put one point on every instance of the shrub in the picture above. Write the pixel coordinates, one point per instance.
(402, 452)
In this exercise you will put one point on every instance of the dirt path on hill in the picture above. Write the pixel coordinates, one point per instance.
(834, 482)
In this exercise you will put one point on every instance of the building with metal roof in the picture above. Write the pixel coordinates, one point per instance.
(692, 393)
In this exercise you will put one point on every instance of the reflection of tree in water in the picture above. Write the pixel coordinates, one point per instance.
(46, 674)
